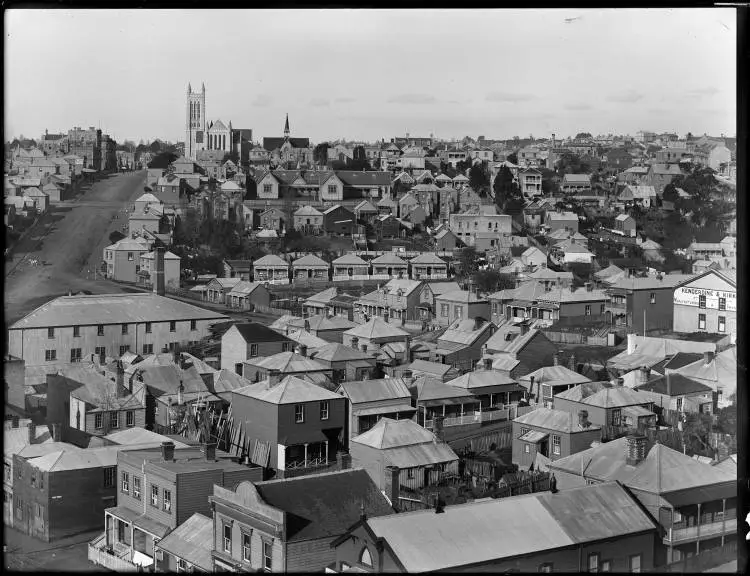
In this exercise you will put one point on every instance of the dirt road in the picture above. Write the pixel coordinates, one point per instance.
(68, 242)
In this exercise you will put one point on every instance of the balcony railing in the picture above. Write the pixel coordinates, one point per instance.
(474, 418)
(433, 276)
(99, 555)
(709, 530)
(346, 277)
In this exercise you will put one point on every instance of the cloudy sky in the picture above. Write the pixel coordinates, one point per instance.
(362, 74)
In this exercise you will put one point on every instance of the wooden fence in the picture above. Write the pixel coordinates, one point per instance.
(499, 438)
(565, 337)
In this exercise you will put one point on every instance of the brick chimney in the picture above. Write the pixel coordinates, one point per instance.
(619, 382)
(158, 280)
(556, 359)
(407, 351)
(209, 449)
(307, 325)
(488, 363)
(167, 451)
(393, 484)
(32, 432)
(274, 377)
(635, 449)
(589, 287)
(643, 374)
(344, 460)
(708, 357)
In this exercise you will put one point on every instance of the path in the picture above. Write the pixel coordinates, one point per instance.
(71, 237)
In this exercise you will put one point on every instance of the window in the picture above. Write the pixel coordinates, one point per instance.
(365, 558)
(601, 310)
(124, 349)
(593, 562)
(676, 517)
(616, 417)
(527, 449)
(546, 567)
(444, 310)
(167, 502)
(50, 332)
(722, 303)
(172, 326)
(98, 421)
(324, 410)
(75, 354)
(148, 348)
(459, 311)
(653, 297)
(267, 556)
(109, 476)
(267, 188)
(154, 495)
(253, 350)
(331, 189)
(124, 328)
(193, 325)
(100, 330)
(76, 331)
(100, 351)
(679, 404)
(701, 321)
(125, 482)
(245, 547)
(588, 310)
(722, 324)
(606, 566)
(702, 301)
(555, 445)
(130, 419)
(50, 355)
(299, 413)
(285, 346)
(130, 256)
(635, 563)
(148, 327)
(227, 533)
(137, 487)
(114, 420)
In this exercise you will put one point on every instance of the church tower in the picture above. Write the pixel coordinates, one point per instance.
(286, 126)
(195, 122)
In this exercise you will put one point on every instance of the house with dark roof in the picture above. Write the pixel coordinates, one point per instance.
(288, 525)
(461, 344)
(296, 425)
(518, 350)
(372, 400)
(592, 529)
(694, 503)
(339, 220)
(251, 340)
(238, 269)
(552, 434)
(345, 363)
(674, 391)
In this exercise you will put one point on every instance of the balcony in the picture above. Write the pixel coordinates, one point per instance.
(616, 306)
(432, 276)
(501, 413)
(350, 277)
(703, 531)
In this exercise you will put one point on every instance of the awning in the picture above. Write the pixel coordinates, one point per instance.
(139, 521)
(360, 364)
(701, 494)
(637, 411)
(383, 410)
(449, 401)
(533, 437)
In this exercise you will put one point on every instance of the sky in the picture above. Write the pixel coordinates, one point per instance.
(372, 74)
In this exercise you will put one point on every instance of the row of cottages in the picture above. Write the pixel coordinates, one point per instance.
(70, 328)
(323, 186)
(593, 528)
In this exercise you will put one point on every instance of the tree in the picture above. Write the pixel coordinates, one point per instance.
(505, 189)
(695, 430)
(463, 165)
(233, 156)
(570, 163)
(320, 153)
(583, 135)
(513, 158)
(492, 281)
(478, 179)
(468, 261)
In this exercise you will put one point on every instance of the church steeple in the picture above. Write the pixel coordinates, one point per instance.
(286, 126)
(190, 89)
(203, 87)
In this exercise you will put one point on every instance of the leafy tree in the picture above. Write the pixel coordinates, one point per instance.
(726, 420)
(468, 260)
(492, 281)
(583, 135)
(162, 160)
(155, 147)
(478, 179)
(513, 158)
(320, 153)
(116, 236)
(233, 156)
(463, 165)
(695, 430)
(505, 189)
(570, 163)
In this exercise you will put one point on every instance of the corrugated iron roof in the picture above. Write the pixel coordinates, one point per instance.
(550, 419)
(389, 433)
(376, 328)
(290, 390)
(192, 541)
(420, 454)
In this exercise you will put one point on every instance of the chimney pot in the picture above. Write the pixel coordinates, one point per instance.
(644, 374)
(302, 350)
(708, 357)
(635, 446)
(167, 451)
(620, 382)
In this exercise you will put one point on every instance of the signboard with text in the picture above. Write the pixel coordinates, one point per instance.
(692, 297)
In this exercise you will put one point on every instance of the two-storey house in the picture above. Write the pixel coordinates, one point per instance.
(372, 400)
(250, 340)
(400, 299)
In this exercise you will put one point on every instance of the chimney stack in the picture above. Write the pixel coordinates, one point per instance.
(393, 484)
(307, 325)
(120, 380)
(209, 449)
(531, 385)
(488, 363)
(344, 460)
(56, 432)
(572, 364)
(635, 446)
(620, 382)
(708, 357)
(167, 451)
(556, 359)
(644, 373)
(158, 282)
(407, 351)
(32, 432)
(274, 377)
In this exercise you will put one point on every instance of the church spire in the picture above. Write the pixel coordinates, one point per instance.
(286, 126)
(190, 89)
(203, 87)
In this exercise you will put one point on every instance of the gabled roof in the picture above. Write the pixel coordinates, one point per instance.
(323, 297)
(480, 379)
(324, 505)
(226, 282)
(191, 541)
(288, 362)
(308, 211)
(320, 322)
(555, 375)
(367, 178)
(723, 368)
(252, 332)
(674, 385)
(305, 338)
(350, 260)
(270, 260)
(433, 368)
(336, 352)
(365, 206)
(428, 258)
(389, 258)
(243, 288)
(364, 391)
(310, 260)
(290, 390)
(577, 179)
(376, 328)
(389, 433)
(557, 420)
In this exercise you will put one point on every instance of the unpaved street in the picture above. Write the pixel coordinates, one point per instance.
(69, 242)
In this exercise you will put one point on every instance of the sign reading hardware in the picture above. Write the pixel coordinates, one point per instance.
(691, 297)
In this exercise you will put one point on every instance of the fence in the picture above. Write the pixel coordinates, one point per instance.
(565, 337)
(703, 561)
